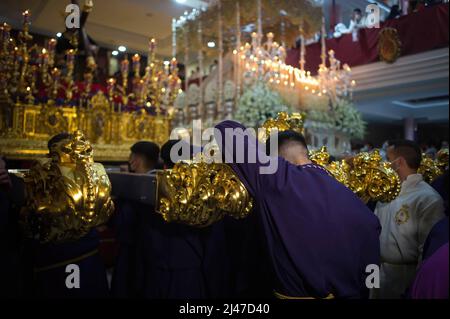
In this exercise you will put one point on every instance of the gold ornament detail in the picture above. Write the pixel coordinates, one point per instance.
(366, 175)
(284, 122)
(320, 157)
(201, 194)
(429, 169)
(372, 179)
(402, 216)
(442, 159)
(37, 100)
(389, 45)
(67, 194)
(112, 132)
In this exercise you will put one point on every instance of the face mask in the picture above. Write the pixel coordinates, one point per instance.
(394, 164)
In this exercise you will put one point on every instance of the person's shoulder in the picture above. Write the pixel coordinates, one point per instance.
(426, 194)
(427, 190)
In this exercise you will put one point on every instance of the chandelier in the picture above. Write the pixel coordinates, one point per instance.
(267, 62)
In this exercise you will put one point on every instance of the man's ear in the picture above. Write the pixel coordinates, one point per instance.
(138, 161)
(402, 161)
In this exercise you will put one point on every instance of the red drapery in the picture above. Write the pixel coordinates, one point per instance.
(418, 32)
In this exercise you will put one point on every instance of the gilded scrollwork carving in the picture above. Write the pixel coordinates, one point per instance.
(430, 169)
(366, 175)
(201, 194)
(442, 159)
(284, 122)
(67, 194)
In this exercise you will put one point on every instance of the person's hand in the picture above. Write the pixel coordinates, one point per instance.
(5, 181)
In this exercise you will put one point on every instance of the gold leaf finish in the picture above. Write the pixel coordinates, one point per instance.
(67, 194)
(201, 194)
(285, 122)
(430, 169)
(366, 175)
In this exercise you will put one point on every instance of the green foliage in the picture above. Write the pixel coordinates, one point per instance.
(344, 117)
(349, 119)
(258, 104)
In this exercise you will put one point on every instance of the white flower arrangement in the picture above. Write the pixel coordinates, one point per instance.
(210, 92)
(259, 103)
(349, 119)
(193, 95)
(180, 101)
(229, 90)
(344, 118)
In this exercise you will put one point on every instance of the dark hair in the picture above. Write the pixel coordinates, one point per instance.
(57, 138)
(409, 150)
(167, 148)
(149, 150)
(285, 137)
(357, 10)
(395, 12)
(165, 153)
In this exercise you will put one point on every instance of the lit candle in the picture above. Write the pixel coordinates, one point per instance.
(125, 66)
(124, 69)
(152, 45)
(26, 17)
(136, 64)
(51, 45)
(166, 69)
(174, 65)
(5, 28)
(55, 74)
(70, 56)
(151, 50)
(44, 58)
(111, 85)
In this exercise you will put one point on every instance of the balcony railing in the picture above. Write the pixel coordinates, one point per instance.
(418, 32)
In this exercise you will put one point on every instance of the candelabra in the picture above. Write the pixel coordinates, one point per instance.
(38, 99)
(267, 62)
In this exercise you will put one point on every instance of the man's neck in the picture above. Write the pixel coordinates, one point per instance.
(303, 161)
(404, 177)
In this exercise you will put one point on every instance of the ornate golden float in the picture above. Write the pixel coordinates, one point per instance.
(39, 100)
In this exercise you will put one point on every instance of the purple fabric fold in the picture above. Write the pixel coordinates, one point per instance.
(319, 236)
(432, 278)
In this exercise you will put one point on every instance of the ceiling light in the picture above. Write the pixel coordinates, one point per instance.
(115, 53)
(181, 1)
(211, 44)
(59, 35)
(122, 48)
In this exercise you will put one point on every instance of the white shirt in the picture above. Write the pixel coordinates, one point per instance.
(354, 25)
(406, 223)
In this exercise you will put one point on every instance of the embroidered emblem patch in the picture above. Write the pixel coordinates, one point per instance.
(402, 215)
